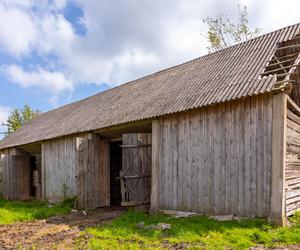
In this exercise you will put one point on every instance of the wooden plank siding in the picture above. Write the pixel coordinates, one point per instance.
(215, 160)
(292, 174)
(76, 166)
(58, 168)
(136, 168)
(92, 171)
(16, 174)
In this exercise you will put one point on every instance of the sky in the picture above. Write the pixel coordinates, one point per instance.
(53, 52)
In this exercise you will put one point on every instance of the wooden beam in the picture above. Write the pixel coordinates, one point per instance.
(279, 63)
(293, 105)
(283, 68)
(155, 166)
(286, 56)
(295, 46)
(135, 146)
(284, 74)
(292, 70)
(133, 203)
(279, 120)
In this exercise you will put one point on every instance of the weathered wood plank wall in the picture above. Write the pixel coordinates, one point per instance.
(215, 160)
(2, 155)
(136, 168)
(58, 168)
(16, 184)
(76, 166)
(92, 171)
(292, 174)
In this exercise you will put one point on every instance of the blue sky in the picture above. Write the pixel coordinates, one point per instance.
(53, 52)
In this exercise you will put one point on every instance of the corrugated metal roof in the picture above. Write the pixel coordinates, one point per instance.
(217, 77)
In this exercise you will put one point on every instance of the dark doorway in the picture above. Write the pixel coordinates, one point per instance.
(33, 170)
(35, 174)
(115, 168)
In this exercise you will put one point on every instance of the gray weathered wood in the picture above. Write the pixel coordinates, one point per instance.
(292, 167)
(217, 159)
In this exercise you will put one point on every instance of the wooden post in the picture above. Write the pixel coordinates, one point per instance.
(277, 202)
(155, 166)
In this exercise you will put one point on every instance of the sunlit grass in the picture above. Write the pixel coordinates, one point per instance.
(15, 211)
(194, 232)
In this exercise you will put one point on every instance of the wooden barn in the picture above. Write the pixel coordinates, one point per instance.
(216, 135)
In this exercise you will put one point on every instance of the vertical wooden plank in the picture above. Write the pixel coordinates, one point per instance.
(234, 159)
(155, 169)
(277, 202)
(200, 160)
(269, 153)
(222, 140)
(174, 149)
(259, 159)
(189, 159)
(180, 162)
(207, 163)
(241, 156)
(167, 163)
(247, 159)
(194, 157)
(216, 140)
(228, 128)
(253, 145)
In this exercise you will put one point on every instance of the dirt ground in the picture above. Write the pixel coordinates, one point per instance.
(59, 232)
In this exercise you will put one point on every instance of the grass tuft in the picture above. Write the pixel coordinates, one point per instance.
(16, 211)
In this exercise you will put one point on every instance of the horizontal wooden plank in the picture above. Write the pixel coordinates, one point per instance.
(293, 181)
(292, 193)
(293, 207)
(133, 203)
(292, 174)
(291, 165)
(293, 200)
(293, 117)
(135, 177)
(135, 146)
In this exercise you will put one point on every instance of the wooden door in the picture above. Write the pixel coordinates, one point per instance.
(17, 177)
(92, 172)
(136, 169)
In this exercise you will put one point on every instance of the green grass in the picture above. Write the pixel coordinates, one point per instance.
(194, 232)
(15, 211)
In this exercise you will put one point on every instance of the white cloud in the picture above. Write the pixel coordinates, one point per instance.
(53, 81)
(4, 113)
(17, 31)
(124, 39)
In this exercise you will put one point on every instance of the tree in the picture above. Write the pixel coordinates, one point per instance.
(222, 32)
(19, 116)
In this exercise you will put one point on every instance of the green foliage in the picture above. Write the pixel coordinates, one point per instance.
(19, 116)
(222, 32)
(194, 232)
(14, 211)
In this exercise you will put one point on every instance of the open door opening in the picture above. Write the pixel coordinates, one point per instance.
(115, 168)
(35, 173)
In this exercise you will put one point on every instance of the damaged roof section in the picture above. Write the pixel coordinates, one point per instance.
(236, 72)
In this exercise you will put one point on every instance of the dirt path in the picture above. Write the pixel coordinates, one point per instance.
(59, 232)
